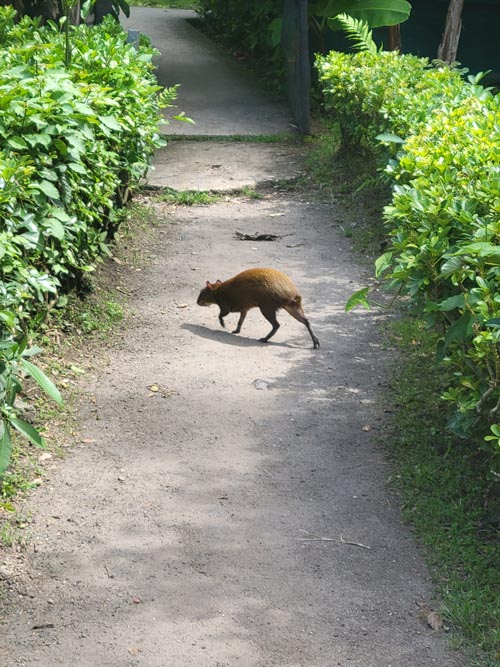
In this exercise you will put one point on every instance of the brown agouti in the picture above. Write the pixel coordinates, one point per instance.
(267, 289)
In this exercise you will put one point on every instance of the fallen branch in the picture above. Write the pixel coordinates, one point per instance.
(319, 538)
(259, 237)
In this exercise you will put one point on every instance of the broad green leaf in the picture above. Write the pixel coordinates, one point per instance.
(488, 251)
(375, 12)
(459, 330)
(382, 263)
(110, 122)
(457, 301)
(493, 322)
(358, 299)
(48, 189)
(125, 7)
(59, 213)
(390, 138)
(183, 118)
(28, 431)
(39, 139)
(275, 29)
(8, 318)
(42, 380)
(5, 446)
(17, 143)
(54, 228)
(451, 265)
(461, 423)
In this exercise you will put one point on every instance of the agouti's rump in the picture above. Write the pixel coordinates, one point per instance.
(266, 289)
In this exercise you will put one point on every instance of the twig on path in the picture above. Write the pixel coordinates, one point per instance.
(259, 237)
(110, 575)
(319, 538)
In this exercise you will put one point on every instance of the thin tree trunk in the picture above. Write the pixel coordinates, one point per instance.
(395, 43)
(448, 48)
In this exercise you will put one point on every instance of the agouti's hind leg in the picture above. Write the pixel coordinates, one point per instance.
(297, 312)
(270, 315)
(243, 314)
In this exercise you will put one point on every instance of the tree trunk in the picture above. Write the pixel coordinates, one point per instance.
(395, 38)
(448, 48)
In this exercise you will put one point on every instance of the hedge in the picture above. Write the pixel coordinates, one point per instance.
(438, 134)
(73, 140)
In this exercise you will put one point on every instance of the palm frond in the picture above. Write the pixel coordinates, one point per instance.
(359, 33)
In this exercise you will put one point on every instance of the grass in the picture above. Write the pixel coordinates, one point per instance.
(174, 4)
(448, 496)
(189, 197)
(242, 138)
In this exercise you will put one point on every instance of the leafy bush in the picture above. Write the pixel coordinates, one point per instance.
(72, 142)
(251, 29)
(248, 25)
(439, 135)
(383, 93)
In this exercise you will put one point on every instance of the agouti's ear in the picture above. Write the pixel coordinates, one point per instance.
(209, 284)
(218, 282)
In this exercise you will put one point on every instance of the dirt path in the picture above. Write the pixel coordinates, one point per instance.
(186, 531)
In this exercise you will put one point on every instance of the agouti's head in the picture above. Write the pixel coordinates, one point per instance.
(207, 296)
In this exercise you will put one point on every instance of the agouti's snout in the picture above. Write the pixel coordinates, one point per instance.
(266, 289)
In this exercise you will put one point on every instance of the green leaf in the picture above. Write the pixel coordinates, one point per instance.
(376, 13)
(5, 446)
(43, 381)
(459, 330)
(382, 263)
(8, 318)
(183, 118)
(54, 228)
(457, 301)
(275, 29)
(125, 7)
(493, 322)
(390, 138)
(451, 265)
(17, 143)
(110, 122)
(461, 423)
(48, 189)
(28, 431)
(358, 31)
(482, 249)
(358, 299)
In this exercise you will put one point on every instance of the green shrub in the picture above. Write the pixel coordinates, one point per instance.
(73, 140)
(439, 136)
(251, 29)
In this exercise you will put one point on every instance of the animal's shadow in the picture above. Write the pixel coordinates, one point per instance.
(228, 338)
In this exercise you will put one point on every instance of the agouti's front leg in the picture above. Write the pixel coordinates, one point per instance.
(243, 314)
(223, 312)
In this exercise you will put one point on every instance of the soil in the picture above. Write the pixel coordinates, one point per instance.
(227, 503)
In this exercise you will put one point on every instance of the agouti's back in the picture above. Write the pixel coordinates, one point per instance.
(266, 289)
(255, 287)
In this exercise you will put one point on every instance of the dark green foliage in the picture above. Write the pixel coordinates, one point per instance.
(252, 30)
(439, 135)
(446, 496)
(72, 142)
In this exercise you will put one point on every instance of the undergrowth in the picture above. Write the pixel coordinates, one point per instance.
(447, 497)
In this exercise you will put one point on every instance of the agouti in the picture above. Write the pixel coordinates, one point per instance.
(267, 289)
